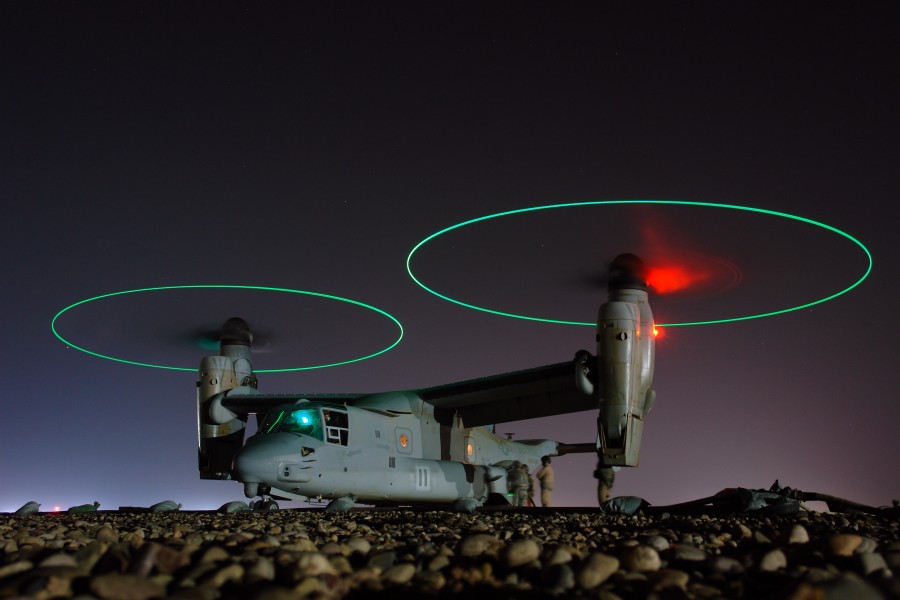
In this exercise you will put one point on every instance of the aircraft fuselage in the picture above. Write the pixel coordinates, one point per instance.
(386, 448)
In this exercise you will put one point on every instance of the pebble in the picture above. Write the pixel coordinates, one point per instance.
(392, 553)
(596, 569)
(478, 544)
(641, 559)
(669, 578)
(844, 544)
(798, 535)
(125, 587)
(773, 560)
(689, 553)
(520, 552)
(399, 574)
(658, 543)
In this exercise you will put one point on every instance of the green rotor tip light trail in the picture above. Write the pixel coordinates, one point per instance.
(656, 202)
(228, 287)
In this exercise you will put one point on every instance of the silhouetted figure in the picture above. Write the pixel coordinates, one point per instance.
(530, 500)
(546, 478)
(518, 484)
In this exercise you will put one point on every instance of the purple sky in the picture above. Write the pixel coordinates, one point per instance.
(312, 146)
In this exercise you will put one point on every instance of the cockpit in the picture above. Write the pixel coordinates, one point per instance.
(325, 423)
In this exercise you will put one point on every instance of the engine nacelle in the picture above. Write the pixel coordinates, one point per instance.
(625, 357)
(220, 432)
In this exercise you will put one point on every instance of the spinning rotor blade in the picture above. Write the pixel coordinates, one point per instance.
(234, 331)
(665, 271)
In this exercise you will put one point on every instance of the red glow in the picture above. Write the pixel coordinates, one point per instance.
(673, 278)
(656, 331)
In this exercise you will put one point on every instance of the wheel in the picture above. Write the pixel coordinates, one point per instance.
(265, 504)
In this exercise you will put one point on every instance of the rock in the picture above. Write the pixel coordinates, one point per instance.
(743, 532)
(400, 573)
(873, 562)
(107, 534)
(125, 587)
(726, 564)
(431, 582)
(20, 566)
(438, 562)
(640, 558)
(798, 535)
(658, 543)
(382, 561)
(228, 573)
(143, 561)
(845, 586)
(773, 560)
(557, 556)
(315, 564)
(558, 578)
(668, 578)
(596, 569)
(844, 544)
(479, 543)
(261, 569)
(359, 545)
(214, 554)
(59, 559)
(168, 560)
(689, 553)
(520, 552)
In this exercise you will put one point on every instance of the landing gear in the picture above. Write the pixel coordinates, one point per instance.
(264, 503)
(605, 477)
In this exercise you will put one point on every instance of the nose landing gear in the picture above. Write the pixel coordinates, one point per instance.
(264, 503)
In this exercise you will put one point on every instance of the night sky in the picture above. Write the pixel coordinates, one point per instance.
(311, 146)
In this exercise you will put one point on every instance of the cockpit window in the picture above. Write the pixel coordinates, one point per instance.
(301, 421)
(336, 427)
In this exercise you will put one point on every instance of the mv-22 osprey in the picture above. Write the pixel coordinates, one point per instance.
(426, 446)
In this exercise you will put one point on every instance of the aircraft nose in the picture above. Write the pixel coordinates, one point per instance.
(259, 459)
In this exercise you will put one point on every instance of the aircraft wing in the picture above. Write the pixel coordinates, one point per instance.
(246, 403)
(528, 394)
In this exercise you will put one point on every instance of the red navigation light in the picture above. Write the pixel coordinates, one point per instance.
(672, 278)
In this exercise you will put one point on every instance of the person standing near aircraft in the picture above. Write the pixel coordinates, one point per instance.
(546, 478)
(527, 472)
(518, 484)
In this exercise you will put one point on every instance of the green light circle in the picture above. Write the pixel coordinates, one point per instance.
(667, 202)
(238, 287)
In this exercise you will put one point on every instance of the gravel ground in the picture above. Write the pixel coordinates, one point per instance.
(530, 553)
